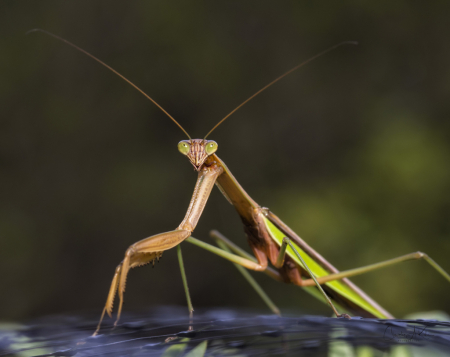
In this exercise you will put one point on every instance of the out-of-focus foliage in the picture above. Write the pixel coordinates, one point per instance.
(352, 151)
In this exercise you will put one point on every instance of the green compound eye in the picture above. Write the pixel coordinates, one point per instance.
(211, 147)
(184, 147)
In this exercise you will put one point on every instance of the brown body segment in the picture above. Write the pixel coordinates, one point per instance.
(265, 249)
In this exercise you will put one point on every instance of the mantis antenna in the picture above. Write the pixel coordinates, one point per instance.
(280, 77)
(114, 71)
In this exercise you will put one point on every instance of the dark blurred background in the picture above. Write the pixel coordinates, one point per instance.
(352, 151)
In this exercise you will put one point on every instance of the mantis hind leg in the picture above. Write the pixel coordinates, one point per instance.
(357, 271)
(372, 267)
(292, 274)
(287, 242)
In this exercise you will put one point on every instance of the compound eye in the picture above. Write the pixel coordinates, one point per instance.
(211, 147)
(184, 147)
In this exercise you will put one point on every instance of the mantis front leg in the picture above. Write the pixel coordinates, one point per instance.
(139, 254)
(151, 248)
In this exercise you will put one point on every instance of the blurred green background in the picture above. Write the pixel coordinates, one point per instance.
(352, 151)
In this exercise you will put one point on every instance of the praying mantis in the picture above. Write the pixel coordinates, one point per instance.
(270, 239)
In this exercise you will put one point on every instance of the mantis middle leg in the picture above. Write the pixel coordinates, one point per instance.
(248, 262)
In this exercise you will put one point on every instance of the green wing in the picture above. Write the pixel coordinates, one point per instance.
(337, 285)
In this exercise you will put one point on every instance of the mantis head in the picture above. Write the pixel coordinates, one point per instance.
(197, 150)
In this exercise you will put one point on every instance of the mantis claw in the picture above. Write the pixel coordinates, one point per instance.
(141, 253)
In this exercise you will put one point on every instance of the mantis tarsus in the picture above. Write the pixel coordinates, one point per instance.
(270, 239)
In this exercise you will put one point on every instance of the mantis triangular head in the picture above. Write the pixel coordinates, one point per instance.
(197, 150)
